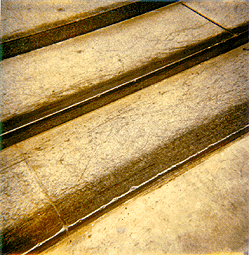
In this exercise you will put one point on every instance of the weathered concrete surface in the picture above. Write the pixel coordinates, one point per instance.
(46, 30)
(230, 14)
(27, 215)
(87, 162)
(26, 16)
(37, 79)
(202, 211)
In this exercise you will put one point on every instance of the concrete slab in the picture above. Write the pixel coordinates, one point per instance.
(25, 16)
(230, 14)
(87, 162)
(203, 210)
(27, 215)
(40, 78)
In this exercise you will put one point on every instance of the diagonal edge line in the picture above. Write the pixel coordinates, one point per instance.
(205, 17)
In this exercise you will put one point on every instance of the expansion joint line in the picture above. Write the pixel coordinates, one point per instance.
(205, 17)
(33, 172)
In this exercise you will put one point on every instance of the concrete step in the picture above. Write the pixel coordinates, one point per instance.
(79, 71)
(200, 209)
(31, 25)
(20, 17)
(55, 180)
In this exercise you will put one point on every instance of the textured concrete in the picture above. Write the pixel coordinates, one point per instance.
(38, 78)
(27, 215)
(230, 14)
(73, 169)
(25, 16)
(88, 161)
(204, 210)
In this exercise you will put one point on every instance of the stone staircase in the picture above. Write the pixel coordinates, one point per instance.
(89, 120)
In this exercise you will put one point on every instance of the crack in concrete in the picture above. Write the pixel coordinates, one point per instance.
(33, 173)
(210, 20)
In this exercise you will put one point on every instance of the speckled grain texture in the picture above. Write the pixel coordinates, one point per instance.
(77, 167)
(100, 155)
(83, 164)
